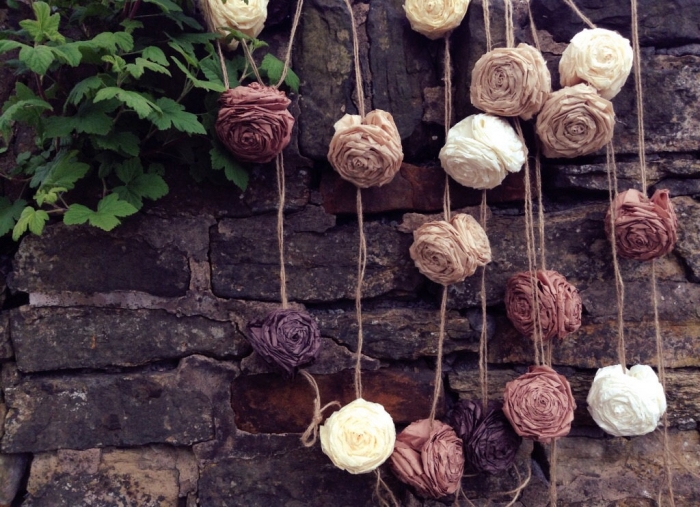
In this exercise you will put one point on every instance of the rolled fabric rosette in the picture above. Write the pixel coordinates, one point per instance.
(247, 16)
(435, 18)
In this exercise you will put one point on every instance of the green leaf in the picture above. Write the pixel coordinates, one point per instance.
(129, 170)
(111, 40)
(130, 25)
(68, 53)
(165, 5)
(220, 159)
(81, 89)
(152, 186)
(26, 111)
(120, 142)
(140, 104)
(155, 54)
(105, 218)
(9, 45)
(45, 26)
(9, 213)
(31, 219)
(182, 19)
(137, 68)
(91, 119)
(77, 214)
(174, 115)
(292, 80)
(207, 85)
(273, 67)
(64, 171)
(38, 58)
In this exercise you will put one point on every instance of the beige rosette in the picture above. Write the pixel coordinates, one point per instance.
(448, 252)
(511, 82)
(434, 18)
(366, 153)
(359, 437)
(575, 121)
(481, 150)
(602, 58)
(247, 16)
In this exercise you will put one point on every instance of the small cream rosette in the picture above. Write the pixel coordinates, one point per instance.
(626, 404)
(247, 16)
(602, 58)
(481, 150)
(359, 437)
(434, 18)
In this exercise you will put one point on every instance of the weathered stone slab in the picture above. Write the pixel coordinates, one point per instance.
(320, 267)
(12, 468)
(6, 351)
(61, 338)
(688, 246)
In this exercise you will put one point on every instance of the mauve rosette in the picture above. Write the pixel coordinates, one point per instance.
(254, 123)
(429, 459)
(287, 338)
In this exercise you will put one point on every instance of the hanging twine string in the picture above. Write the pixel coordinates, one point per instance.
(640, 98)
(279, 162)
(533, 28)
(483, 338)
(356, 56)
(510, 31)
(487, 25)
(381, 485)
(292, 34)
(251, 62)
(580, 14)
(222, 62)
(438, 360)
(540, 208)
(308, 439)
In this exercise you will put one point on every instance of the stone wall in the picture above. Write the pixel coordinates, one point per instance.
(127, 379)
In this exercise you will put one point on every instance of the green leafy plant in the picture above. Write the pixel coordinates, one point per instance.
(112, 93)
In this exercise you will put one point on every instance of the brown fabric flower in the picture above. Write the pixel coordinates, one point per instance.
(490, 443)
(430, 460)
(254, 123)
(366, 153)
(644, 228)
(448, 252)
(539, 404)
(559, 304)
(511, 82)
(575, 121)
(288, 338)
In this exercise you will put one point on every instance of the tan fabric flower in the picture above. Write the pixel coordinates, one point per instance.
(644, 228)
(602, 58)
(434, 18)
(254, 123)
(575, 121)
(366, 153)
(247, 16)
(559, 304)
(448, 252)
(539, 404)
(511, 82)
(480, 150)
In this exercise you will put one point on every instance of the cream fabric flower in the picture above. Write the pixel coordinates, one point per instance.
(626, 404)
(602, 58)
(247, 16)
(480, 150)
(359, 437)
(434, 18)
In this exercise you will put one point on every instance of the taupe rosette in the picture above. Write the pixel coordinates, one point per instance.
(434, 18)
(429, 459)
(559, 304)
(366, 153)
(539, 404)
(247, 16)
(645, 228)
(511, 82)
(448, 252)
(254, 123)
(575, 121)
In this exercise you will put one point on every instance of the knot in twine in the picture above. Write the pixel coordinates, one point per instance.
(435, 18)
(254, 123)
(247, 16)
(429, 457)
(448, 252)
(539, 404)
(511, 82)
(645, 228)
(481, 150)
(308, 439)
(367, 152)
(575, 121)
(559, 304)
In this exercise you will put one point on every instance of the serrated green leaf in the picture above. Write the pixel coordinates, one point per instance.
(292, 80)
(111, 40)
(9, 45)
(220, 159)
(182, 19)
(126, 194)
(77, 214)
(120, 142)
(31, 219)
(81, 89)
(166, 6)
(64, 171)
(174, 115)
(10, 213)
(130, 25)
(273, 67)
(137, 68)
(22, 110)
(68, 53)
(149, 185)
(155, 54)
(38, 59)
(105, 218)
(129, 170)
(198, 83)
(113, 206)
(90, 119)
(140, 104)
(189, 56)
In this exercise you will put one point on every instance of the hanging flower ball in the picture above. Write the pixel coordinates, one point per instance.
(511, 82)
(359, 437)
(429, 459)
(247, 16)
(575, 121)
(626, 404)
(448, 252)
(644, 228)
(539, 404)
(602, 58)
(366, 153)
(254, 123)
(287, 338)
(434, 18)
(480, 150)
(490, 443)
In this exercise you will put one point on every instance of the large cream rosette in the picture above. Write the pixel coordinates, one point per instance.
(626, 404)
(481, 150)
(511, 82)
(434, 18)
(602, 58)
(247, 16)
(359, 437)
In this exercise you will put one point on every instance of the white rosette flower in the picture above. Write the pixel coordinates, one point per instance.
(434, 18)
(602, 58)
(359, 437)
(247, 16)
(626, 404)
(481, 150)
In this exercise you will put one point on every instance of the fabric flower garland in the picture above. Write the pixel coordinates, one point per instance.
(435, 18)
(429, 458)
(645, 228)
(481, 150)
(247, 16)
